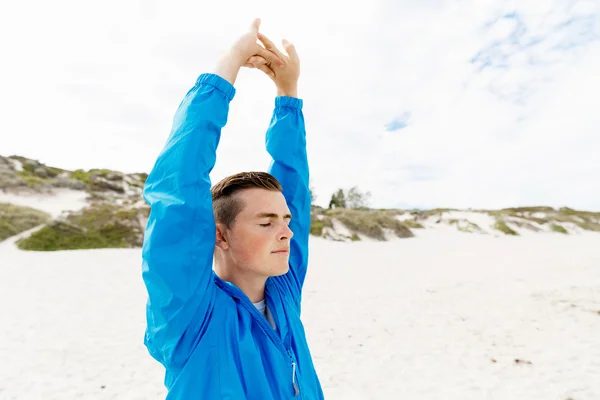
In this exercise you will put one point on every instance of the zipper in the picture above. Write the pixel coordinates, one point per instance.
(296, 390)
(295, 376)
(266, 327)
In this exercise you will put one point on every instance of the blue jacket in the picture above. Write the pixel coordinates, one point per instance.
(212, 341)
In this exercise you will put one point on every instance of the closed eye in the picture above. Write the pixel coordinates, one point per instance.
(265, 225)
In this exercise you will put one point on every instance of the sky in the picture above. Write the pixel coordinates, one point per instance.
(463, 104)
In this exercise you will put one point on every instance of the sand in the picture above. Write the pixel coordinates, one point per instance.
(441, 316)
(54, 204)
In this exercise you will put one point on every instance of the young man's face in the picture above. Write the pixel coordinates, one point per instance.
(259, 241)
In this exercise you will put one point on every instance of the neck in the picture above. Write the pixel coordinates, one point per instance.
(253, 286)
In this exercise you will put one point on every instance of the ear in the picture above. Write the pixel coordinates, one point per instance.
(221, 239)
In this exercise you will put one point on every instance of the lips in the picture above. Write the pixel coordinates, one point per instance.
(282, 251)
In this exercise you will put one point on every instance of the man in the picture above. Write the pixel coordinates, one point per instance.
(235, 332)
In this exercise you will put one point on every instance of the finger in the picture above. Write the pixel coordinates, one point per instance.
(265, 68)
(249, 63)
(254, 60)
(263, 65)
(257, 60)
(269, 45)
(270, 57)
(290, 49)
(255, 25)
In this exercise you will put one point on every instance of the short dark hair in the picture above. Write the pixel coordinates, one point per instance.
(227, 206)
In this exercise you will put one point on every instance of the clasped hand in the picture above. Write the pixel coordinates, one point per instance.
(282, 68)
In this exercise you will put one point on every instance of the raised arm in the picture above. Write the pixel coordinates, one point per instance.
(286, 143)
(180, 236)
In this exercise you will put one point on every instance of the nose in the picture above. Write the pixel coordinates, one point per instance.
(286, 233)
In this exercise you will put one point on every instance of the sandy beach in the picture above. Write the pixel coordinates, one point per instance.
(445, 315)
(446, 154)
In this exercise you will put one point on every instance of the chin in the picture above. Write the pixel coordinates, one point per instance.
(279, 270)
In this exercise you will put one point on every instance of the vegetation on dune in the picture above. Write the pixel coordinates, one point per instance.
(412, 224)
(318, 223)
(32, 167)
(587, 220)
(81, 175)
(464, 225)
(584, 219)
(371, 223)
(559, 229)
(536, 209)
(16, 219)
(502, 227)
(350, 208)
(470, 228)
(526, 224)
(33, 181)
(100, 226)
(115, 218)
(436, 211)
(354, 237)
(540, 221)
(570, 211)
(589, 226)
(37, 176)
(88, 177)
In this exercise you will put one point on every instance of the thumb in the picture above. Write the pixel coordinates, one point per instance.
(290, 49)
(255, 25)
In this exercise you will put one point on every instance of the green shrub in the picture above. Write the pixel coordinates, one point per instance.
(85, 176)
(502, 227)
(80, 175)
(317, 225)
(16, 219)
(54, 172)
(34, 181)
(412, 224)
(102, 226)
(470, 227)
(65, 237)
(559, 229)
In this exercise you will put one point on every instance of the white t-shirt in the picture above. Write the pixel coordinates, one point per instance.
(261, 306)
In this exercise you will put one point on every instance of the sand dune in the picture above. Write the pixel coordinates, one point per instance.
(441, 316)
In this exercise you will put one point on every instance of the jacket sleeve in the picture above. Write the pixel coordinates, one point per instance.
(178, 247)
(286, 143)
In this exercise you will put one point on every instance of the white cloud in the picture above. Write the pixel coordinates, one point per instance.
(500, 94)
